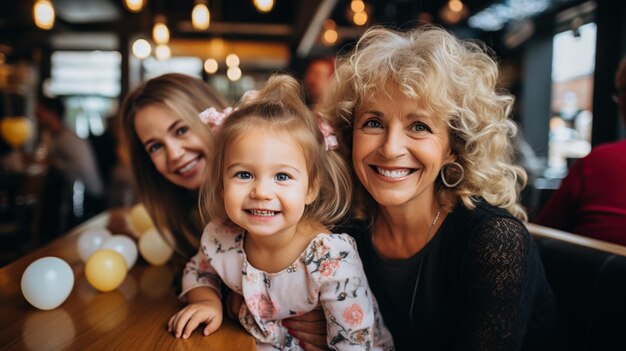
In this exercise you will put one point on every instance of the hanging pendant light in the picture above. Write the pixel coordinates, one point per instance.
(357, 6)
(359, 12)
(141, 49)
(200, 16)
(43, 13)
(162, 52)
(330, 35)
(134, 5)
(232, 60)
(160, 32)
(263, 6)
(211, 66)
(233, 73)
(453, 12)
(360, 18)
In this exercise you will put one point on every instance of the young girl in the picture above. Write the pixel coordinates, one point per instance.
(274, 184)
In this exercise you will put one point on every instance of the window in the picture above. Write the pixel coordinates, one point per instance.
(90, 82)
(573, 62)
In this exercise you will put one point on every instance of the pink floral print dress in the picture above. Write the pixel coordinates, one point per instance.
(328, 273)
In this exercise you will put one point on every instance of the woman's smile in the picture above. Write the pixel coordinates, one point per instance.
(393, 173)
(190, 168)
(176, 152)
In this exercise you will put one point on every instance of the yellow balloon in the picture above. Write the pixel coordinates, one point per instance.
(140, 220)
(154, 249)
(105, 270)
(15, 130)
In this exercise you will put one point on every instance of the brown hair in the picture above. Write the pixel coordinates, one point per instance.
(174, 209)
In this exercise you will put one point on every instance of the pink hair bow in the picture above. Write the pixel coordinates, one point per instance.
(249, 95)
(213, 117)
(330, 140)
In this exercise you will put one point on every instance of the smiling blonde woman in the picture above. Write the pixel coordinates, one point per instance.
(442, 238)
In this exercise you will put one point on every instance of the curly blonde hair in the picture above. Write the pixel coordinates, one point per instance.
(450, 78)
(279, 108)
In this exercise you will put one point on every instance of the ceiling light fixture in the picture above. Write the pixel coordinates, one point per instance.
(210, 66)
(359, 18)
(232, 60)
(200, 16)
(141, 49)
(358, 12)
(43, 14)
(330, 35)
(162, 52)
(455, 5)
(160, 32)
(453, 12)
(263, 6)
(357, 6)
(134, 5)
(233, 73)
(498, 14)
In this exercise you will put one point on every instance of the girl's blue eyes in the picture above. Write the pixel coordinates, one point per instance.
(243, 175)
(182, 130)
(281, 177)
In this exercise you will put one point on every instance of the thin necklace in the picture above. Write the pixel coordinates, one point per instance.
(419, 269)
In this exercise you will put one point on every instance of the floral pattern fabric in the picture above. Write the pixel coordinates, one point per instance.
(328, 274)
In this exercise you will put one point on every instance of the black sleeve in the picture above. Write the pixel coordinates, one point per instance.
(500, 289)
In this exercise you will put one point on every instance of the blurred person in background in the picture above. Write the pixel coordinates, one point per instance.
(114, 164)
(83, 188)
(591, 200)
(317, 76)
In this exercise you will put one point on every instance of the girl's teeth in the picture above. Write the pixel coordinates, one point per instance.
(188, 167)
(263, 213)
(392, 174)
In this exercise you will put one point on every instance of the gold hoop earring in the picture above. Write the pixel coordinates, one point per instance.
(455, 169)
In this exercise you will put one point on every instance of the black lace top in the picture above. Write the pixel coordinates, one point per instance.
(479, 284)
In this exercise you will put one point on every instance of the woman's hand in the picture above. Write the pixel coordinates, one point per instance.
(183, 323)
(310, 329)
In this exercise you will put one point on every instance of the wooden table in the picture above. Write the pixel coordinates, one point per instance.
(132, 317)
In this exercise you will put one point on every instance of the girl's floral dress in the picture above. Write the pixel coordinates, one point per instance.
(328, 273)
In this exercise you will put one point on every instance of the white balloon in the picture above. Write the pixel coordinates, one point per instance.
(154, 248)
(47, 282)
(90, 240)
(124, 246)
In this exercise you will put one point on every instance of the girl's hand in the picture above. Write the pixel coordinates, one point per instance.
(183, 323)
(310, 329)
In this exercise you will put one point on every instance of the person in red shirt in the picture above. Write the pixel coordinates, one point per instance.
(591, 200)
